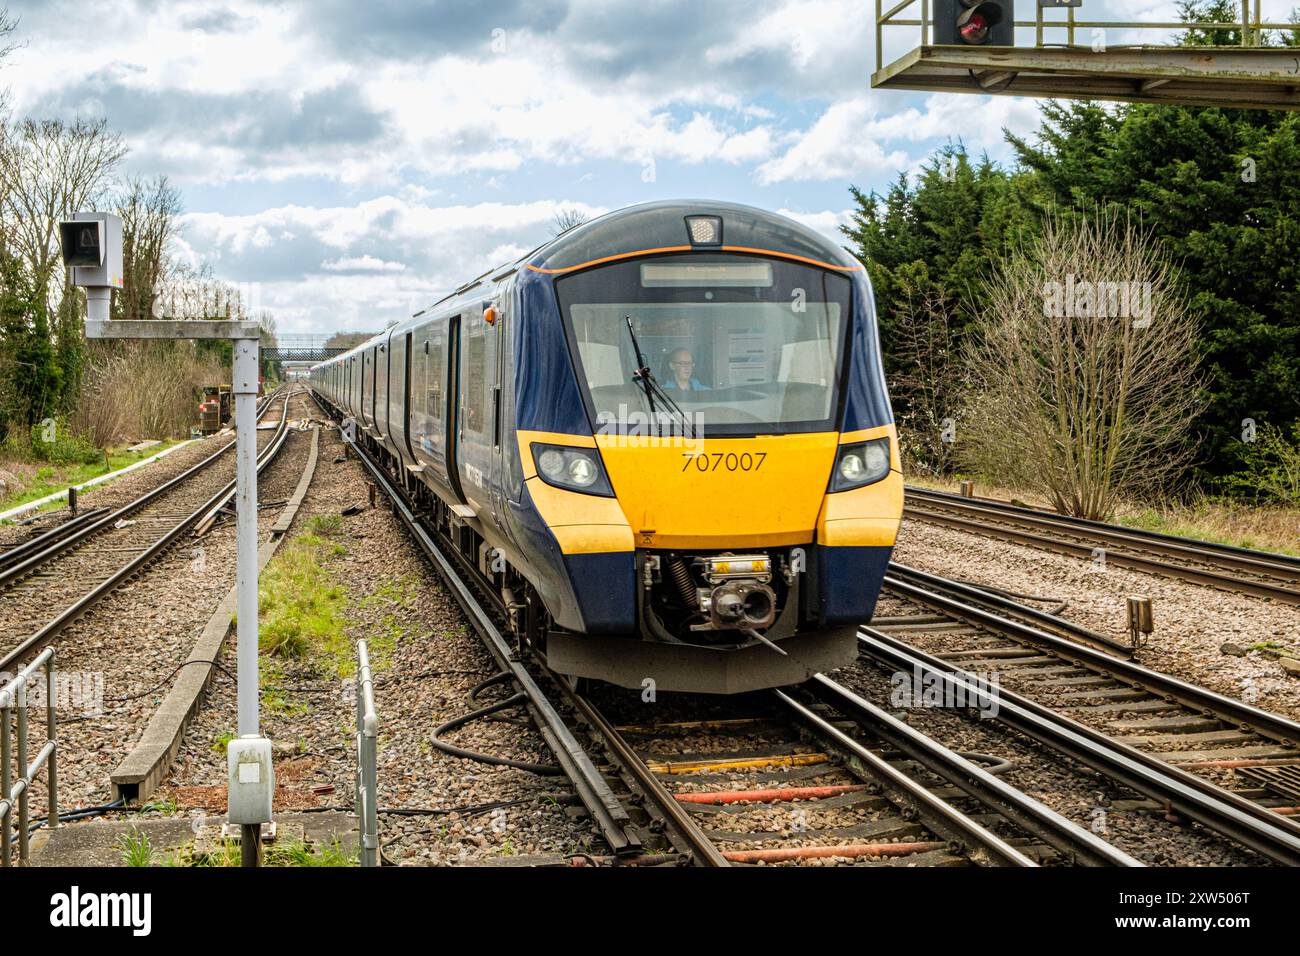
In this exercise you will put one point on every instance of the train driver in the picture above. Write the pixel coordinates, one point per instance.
(681, 368)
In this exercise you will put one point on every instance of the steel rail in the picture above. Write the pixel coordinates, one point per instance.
(20, 551)
(945, 820)
(1222, 811)
(1258, 588)
(1287, 562)
(980, 843)
(51, 629)
(1009, 606)
(1072, 841)
(1197, 698)
(703, 850)
(609, 814)
(1120, 558)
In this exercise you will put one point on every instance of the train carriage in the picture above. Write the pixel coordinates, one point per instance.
(663, 440)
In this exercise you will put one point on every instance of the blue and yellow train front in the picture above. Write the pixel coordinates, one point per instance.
(708, 455)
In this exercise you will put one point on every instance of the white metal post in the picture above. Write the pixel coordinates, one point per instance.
(98, 302)
(92, 246)
(245, 389)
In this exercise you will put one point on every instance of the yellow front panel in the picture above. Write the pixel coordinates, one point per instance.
(717, 493)
(864, 517)
(868, 516)
(582, 524)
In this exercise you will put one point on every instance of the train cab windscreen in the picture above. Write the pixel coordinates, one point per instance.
(741, 345)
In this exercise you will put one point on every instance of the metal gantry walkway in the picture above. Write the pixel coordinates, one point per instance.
(1073, 58)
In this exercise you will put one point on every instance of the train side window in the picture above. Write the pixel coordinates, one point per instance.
(437, 375)
(475, 381)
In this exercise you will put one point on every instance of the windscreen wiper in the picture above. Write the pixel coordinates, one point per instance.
(653, 388)
(642, 373)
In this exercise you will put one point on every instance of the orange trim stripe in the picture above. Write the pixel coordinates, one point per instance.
(653, 252)
(787, 255)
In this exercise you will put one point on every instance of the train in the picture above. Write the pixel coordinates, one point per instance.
(661, 442)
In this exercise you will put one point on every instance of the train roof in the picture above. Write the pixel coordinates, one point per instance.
(661, 226)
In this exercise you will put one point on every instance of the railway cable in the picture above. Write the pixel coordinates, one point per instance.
(516, 700)
(82, 813)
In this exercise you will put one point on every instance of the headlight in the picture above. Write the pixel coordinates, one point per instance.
(574, 469)
(582, 472)
(551, 463)
(861, 464)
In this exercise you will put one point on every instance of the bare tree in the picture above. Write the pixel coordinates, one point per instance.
(8, 25)
(270, 331)
(1083, 376)
(926, 384)
(566, 219)
(50, 169)
(148, 210)
(194, 292)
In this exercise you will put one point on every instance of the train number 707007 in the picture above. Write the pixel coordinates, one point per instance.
(724, 461)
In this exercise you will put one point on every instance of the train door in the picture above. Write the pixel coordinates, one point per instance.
(368, 388)
(497, 410)
(474, 450)
(394, 395)
(373, 385)
(432, 437)
(451, 438)
(408, 352)
(383, 382)
(358, 376)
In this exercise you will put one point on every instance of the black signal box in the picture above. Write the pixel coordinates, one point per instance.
(974, 22)
(83, 243)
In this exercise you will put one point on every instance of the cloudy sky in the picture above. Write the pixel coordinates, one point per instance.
(356, 159)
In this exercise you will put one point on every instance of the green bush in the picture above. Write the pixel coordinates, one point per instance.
(1270, 466)
(63, 447)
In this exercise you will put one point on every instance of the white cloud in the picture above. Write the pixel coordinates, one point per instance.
(334, 267)
(419, 152)
(361, 264)
(839, 145)
(851, 140)
(827, 222)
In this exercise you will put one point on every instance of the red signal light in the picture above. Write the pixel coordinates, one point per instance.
(975, 30)
(975, 24)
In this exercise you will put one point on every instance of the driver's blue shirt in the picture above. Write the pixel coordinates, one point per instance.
(696, 386)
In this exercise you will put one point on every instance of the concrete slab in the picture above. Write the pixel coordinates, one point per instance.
(97, 843)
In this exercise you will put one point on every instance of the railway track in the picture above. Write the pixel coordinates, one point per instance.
(25, 549)
(866, 788)
(1183, 746)
(1258, 573)
(818, 773)
(55, 578)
